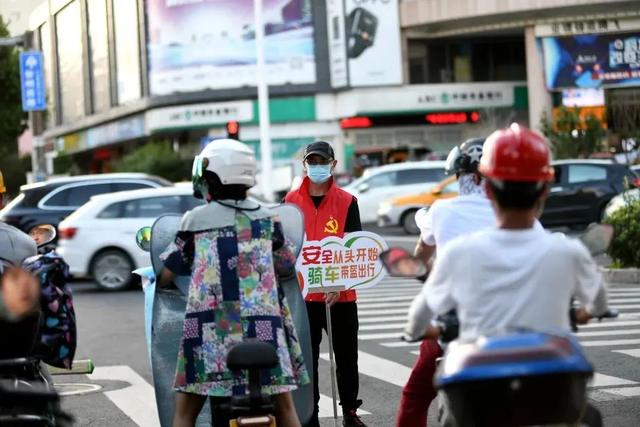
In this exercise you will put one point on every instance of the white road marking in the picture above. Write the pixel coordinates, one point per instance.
(137, 401)
(608, 343)
(602, 380)
(397, 326)
(611, 324)
(635, 352)
(382, 319)
(609, 333)
(391, 304)
(398, 344)
(383, 311)
(380, 336)
(325, 408)
(367, 301)
(379, 368)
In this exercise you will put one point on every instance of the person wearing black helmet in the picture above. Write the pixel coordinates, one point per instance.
(440, 223)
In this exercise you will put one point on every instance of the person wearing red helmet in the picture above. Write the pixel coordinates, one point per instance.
(515, 275)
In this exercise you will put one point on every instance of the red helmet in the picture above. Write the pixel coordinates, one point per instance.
(516, 154)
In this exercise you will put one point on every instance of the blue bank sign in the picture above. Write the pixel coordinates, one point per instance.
(32, 81)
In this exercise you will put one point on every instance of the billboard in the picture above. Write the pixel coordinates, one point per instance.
(592, 61)
(373, 42)
(210, 44)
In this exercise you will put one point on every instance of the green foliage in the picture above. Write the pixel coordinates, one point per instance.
(625, 248)
(157, 158)
(11, 117)
(571, 136)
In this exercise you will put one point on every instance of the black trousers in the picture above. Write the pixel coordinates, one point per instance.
(344, 322)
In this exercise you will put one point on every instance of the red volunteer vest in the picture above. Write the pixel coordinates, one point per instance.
(327, 220)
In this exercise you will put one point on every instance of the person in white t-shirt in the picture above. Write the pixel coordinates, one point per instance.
(515, 275)
(445, 220)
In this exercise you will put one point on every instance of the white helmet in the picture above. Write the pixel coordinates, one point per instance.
(233, 162)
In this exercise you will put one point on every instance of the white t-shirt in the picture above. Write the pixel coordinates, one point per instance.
(450, 218)
(500, 280)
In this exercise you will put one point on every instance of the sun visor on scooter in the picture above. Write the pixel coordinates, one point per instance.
(163, 234)
(292, 224)
(514, 355)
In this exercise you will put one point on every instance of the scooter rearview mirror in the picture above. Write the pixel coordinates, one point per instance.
(43, 234)
(400, 263)
(143, 238)
(597, 238)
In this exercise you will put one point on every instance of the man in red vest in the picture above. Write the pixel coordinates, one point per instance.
(331, 211)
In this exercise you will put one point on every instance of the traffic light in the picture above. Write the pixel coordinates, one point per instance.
(233, 130)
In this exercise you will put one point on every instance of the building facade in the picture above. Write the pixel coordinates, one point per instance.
(383, 80)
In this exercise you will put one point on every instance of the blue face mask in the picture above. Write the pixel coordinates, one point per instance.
(319, 173)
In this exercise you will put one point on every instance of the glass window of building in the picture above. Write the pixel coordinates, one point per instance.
(99, 54)
(125, 14)
(69, 37)
(47, 52)
(467, 60)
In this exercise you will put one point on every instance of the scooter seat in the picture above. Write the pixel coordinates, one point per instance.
(252, 354)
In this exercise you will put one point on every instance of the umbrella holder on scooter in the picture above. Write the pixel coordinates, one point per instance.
(524, 379)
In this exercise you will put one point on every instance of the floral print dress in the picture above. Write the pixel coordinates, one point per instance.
(233, 295)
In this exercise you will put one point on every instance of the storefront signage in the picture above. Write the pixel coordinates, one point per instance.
(586, 26)
(336, 40)
(594, 61)
(186, 116)
(336, 264)
(433, 97)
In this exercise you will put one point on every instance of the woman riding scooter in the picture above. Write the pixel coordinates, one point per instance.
(232, 249)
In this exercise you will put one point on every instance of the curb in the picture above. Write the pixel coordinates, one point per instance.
(621, 275)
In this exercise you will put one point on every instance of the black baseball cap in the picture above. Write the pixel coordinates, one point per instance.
(321, 148)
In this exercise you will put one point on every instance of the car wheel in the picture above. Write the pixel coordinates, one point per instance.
(409, 222)
(112, 270)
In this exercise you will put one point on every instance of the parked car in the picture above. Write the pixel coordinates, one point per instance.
(381, 183)
(621, 200)
(51, 201)
(636, 169)
(582, 189)
(98, 240)
(402, 210)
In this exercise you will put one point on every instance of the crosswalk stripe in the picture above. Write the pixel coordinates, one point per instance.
(626, 306)
(603, 343)
(380, 336)
(635, 352)
(394, 298)
(398, 326)
(623, 300)
(602, 380)
(609, 333)
(400, 344)
(325, 407)
(137, 400)
(380, 368)
(382, 319)
(391, 304)
(383, 311)
(611, 324)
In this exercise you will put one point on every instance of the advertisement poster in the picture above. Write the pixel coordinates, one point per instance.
(336, 264)
(337, 46)
(373, 42)
(592, 61)
(210, 44)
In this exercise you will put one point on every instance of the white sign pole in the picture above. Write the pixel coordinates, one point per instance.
(332, 364)
(263, 104)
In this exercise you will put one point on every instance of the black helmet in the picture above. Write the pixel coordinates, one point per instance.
(465, 157)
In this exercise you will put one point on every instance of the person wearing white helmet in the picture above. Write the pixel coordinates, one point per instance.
(233, 250)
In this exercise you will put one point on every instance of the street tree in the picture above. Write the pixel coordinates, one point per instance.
(573, 136)
(12, 118)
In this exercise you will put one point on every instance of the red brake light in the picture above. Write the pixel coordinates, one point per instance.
(636, 182)
(67, 233)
